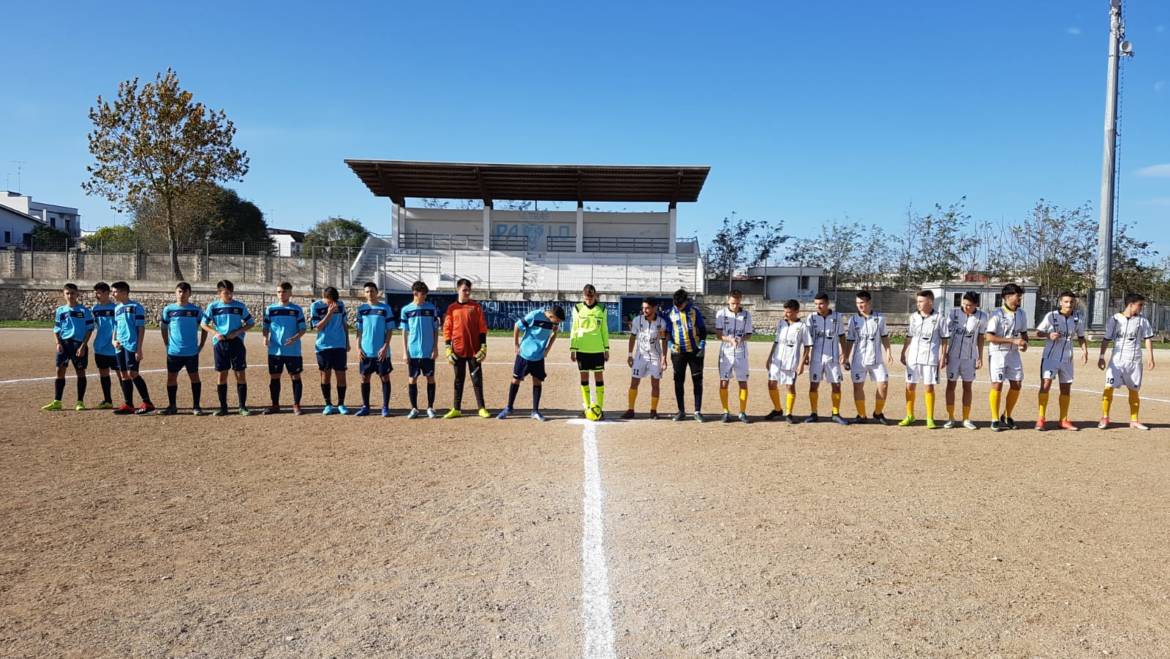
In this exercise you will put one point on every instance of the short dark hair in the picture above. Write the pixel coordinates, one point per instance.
(735, 293)
(462, 281)
(285, 286)
(1130, 298)
(589, 289)
(650, 301)
(822, 296)
(792, 304)
(864, 295)
(225, 285)
(370, 284)
(926, 292)
(331, 293)
(183, 286)
(120, 286)
(680, 296)
(102, 286)
(558, 312)
(70, 287)
(419, 287)
(971, 296)
(1012, 289)
(1068, 294)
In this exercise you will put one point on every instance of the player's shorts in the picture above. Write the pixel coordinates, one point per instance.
(1124, 375)
(331, 359)
(733, 366)
(105, 361)
(68, 355)
(921, 374)
(1061, 371)
(278, 363)
(828, 369)
(645, 367)
(776, 373)
(126, 361)
(176, 363)
(230, 354)
(961, 370)
(590, 361)
(373, 365)
(535, 367)
(1006, 366)
(424, 366)
(875, 372)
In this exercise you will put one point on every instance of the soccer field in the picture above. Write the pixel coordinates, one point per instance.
(335, 536)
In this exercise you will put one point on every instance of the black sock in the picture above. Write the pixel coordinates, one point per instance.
(196, 394)
(172, 392)
(412, 389)
(242, 393)
(82, 385)
(679, 394)
(128, 392)
(366, 394)
(697, 382)
(221, 389)
(58, 388)
(326, 394)
(536, 391)
(430, 395)
(274, 391)
(341, 395)
(512, 389)
(140, 385)
(297, 388)
(106, 384)
(385, 393)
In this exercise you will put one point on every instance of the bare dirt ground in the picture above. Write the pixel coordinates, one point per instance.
(283, 536)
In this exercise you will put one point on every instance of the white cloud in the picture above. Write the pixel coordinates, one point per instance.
(1160, 86)
(1155, 171)
(1074, 30)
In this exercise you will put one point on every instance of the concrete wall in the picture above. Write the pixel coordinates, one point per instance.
(536, 225)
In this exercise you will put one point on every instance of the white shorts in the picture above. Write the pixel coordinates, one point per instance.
(828, 369)
(1124, 375)
(962, 370)
(1061, 371)
(780, 375)
(876, 373)
(921, 374)
(645, 367)
(1006, 366)
(733, 366)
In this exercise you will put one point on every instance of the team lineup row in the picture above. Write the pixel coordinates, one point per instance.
(825, 345)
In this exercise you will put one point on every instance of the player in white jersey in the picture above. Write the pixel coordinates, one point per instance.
(733, 326)
(647, 355)
(967, 324)
(1059, 329)
(1129, 331)
(867, 356)
(787, 360)
(924, 354)
(827, 358)
(1007, 334)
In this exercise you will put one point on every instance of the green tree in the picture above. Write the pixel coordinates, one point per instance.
(940, 242)
(155, 140)
(208, 213)
(336, 232)
(49, 239)
(117, 238)
(742, 243)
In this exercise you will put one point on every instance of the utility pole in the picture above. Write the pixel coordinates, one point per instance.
(1118, 48)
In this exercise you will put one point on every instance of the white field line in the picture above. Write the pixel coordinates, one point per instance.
(597, 616)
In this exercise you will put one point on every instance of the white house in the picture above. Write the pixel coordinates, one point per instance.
(948, 295)
(63, 218)
(15, 227)
(286, 242)
(789, 282)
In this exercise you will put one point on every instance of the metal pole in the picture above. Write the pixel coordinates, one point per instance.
(102, 249)
(627, 286)
(660, 266)
(1104, 279)
(32, 257)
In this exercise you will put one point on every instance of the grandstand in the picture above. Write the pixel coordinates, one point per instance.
(531, 251)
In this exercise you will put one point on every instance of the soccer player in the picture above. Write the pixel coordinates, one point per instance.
(733, 326)
(867, 354)
(646, 355)
(72, 327)
(827, 357)
(327, 316)
(1007, 334)
(1128, 331)
(184, 336)
(465, 333)
(787, 360)
(534, 335)
(1056, 362)
(375, 327)
(103, 341)
(589, 346)
(283, 326)
(926, 343)
(968, 326)
(421, 324)
(227, 320)
(688, 342)
(129, 334)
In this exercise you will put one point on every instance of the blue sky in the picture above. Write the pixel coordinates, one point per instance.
(804, 111)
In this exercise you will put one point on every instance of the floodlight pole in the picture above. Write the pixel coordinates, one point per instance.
(1101, 297)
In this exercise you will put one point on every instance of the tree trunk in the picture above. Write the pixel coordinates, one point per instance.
(174, 244)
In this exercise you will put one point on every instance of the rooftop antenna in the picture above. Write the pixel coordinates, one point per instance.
(19, 166)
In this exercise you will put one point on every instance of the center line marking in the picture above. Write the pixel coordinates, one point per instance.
(595, 606)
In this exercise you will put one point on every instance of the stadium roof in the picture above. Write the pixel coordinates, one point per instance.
(398, 180)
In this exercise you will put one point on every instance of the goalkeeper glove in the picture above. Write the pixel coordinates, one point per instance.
(450, 355)
(482, 354)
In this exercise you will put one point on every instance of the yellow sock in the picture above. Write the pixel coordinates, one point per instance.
(789, 403)
(836, 398)
(585, 395)
(742, 401)
(1043, 402)
(1064, 400)
(1012, 397)
(929, 396)
(993, 398)
(654, 403)
(633, 397)
(600, 389)
(909, 403)
(774, 394)
(1135, 404)
(966, 412)
(723, 398)
(812, 401)
(951, 411)
(859, 403)
(879, 406)
(1106, 401)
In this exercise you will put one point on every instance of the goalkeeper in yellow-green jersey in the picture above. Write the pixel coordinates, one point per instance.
(589, 346)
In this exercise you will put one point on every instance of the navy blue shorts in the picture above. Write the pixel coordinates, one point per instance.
(277, 364)
(125, 361)
(372, 365)
(417, 366)
(230, 354)
(331, 359)
(105, 361)
(68, 355)
(523, 367)
(176, 363)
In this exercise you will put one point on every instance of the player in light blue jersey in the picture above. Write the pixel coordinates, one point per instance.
(421, 324)
(534, 335)
(284, 325)
(183, 335)
(227, 320)
(129, 336)
(72, 327)
(327, 317)
(103, 341)
(375, 327)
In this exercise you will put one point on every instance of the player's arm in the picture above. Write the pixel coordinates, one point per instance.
(944, 343)
(804, 359)
(435, 344)
(841, 339)
(887, 349)
(516, 337)
(164, 329)
(665, 345)
(302, 327)
(357, 329)
(551, 340)
(141, 336)
(1150, 352)
(605, 333)
(630, 345)
(202, 338)
(905, 345)
(481, 321)
(249, 323)
(206, 326)
(573, 334)
(405, 342)
(771, 352)
(980, 342)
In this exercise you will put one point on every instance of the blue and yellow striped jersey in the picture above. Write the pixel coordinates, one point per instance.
(686, 329)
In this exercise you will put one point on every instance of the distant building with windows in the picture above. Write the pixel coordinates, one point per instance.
(16, 228)
(62, 218)
(286, 242)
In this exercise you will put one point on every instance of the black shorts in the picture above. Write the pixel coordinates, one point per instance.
(68, 354)
(590, 361)
(534, 367)
(125, 361)
(331, 359)
(373, 365)
(416, 366)
(277, 364)
(230, 354)
(176, 363)
(105, 361)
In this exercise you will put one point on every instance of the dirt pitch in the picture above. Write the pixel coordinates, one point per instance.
(285, 536)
